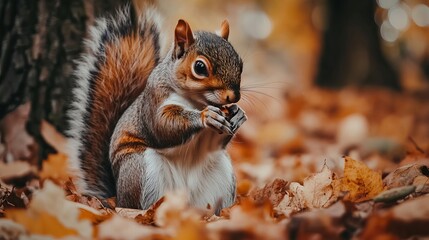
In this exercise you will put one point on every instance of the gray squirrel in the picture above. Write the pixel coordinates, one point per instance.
(142, 124)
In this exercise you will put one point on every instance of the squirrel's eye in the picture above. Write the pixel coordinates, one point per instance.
(200, 69)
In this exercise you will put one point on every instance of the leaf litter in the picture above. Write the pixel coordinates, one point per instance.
(292, 181)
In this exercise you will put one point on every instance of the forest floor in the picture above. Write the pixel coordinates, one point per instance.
(331, 165)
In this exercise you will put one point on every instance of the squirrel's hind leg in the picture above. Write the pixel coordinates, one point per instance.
(130, 180)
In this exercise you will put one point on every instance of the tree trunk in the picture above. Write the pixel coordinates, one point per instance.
(351, 51)
(40, 39)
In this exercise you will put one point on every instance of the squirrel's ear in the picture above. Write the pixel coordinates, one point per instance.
(183, 38)
(224, 29)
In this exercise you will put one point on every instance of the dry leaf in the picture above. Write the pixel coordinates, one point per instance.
(394, 194)
(422, 184)
(91, 214)
(51, 214)
(17, 173)
(20, 145)
(359, 181)
(404, 221)
(129, 212)
(405, 175)
(325, 223)
(123, 228)
(53, 137)
(248, 221)
(274, 192)
(10, 229)
(191, 230)
(55, 168)
(40, 222)
(243, 187)
(318, 190)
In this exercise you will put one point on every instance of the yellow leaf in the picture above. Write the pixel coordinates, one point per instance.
(55, 168)
(359, 181)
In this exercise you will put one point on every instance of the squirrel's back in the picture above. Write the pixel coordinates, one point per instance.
(122, 50)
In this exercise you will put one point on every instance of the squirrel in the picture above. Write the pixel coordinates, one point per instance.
(142, 124)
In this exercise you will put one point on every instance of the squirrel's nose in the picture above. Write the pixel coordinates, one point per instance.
(232, 96)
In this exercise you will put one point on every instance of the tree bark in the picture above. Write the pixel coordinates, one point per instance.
(40, 39)
(351, 51)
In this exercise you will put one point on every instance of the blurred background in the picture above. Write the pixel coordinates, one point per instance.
(321, 77)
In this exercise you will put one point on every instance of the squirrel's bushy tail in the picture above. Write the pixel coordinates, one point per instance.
(122, 50)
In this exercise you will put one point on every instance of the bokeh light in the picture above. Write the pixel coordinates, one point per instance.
(398, 17)
(388, 32)
(420, 15)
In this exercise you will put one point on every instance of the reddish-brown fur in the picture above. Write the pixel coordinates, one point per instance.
(130, 51)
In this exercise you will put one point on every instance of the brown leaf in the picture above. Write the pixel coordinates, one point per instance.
(274, 192)
(16, 173)
(11, 199)
(20, 145)
(422, 184)
(148, 217)
(11, 230)
(407, 220)
(123, 228)
(405, 175)
(51, 214)
(359, 181)
(325, 223)
(53, 137)
(319, 190)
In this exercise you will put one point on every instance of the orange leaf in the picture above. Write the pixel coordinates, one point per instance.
(55, 168)
(40, 223)
(359, 181)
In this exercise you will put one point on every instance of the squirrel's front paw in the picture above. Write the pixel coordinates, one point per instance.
(236, 117)
(213, 117)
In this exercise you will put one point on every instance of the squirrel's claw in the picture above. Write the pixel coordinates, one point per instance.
(213, 117)
(238, 117)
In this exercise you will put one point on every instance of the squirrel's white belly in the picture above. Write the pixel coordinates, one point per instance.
(204, 173)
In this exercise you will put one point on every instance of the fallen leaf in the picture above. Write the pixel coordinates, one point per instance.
(191, 230)
(55, 168)
(91, 214)
(123, 228)
(422, 184)
(20, 144)
(51, 214)
(405, 175)
(248, 220)
(359, 181)
(274, 192)
(394, 194)
(148, 217)
(17, 173)
(11, 230)
(40, 222)
(319, 190)
(243, 187)
(53, 137)
(129, 212)
(324, 223)
(10, 198)
(404, 221)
